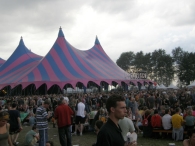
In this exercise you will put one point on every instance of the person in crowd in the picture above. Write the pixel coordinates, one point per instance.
(15, 123)
(189, 120)
(66, 100)
(182, 100)
(99, 101)
(127, 100)
(193, 111)
(93, 101)
(166, 122)
(63, 115)
(5, 139)
(129, 113)
(110, 133)
(151, 101)
(49, 143)
(177, 122)
(87, 103)
(146, 122)
(39, 101)
(98, 125)
(158, 101)
(96, 118)
(54, 105)
(138, 121)
(32, 119)
(191, 140)
(156, 120)
(188, 101)
(166, 101)
(80, 117)
(42, 123)
(126, 126)
(134, 106)
(103, 115)
(162, 111)
(141, 102)
(31, 137)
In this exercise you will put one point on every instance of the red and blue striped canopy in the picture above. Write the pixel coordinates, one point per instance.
(1, 61)
(62, 65)
(19, 64)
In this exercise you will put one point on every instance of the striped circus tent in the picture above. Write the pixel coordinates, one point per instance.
(65, 65)
(20, 63)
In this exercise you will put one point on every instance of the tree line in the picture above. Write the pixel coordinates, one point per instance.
(160, 66)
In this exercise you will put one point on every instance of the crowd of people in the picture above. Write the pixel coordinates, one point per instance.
(108, 113)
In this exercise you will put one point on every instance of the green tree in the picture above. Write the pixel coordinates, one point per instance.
(125, 60)
(142, 62)
(186, 69)
(177, 54)
(162, 70)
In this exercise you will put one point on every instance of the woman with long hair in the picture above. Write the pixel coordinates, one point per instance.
(5, 139)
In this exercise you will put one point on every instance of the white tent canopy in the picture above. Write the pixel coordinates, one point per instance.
(143, 88)
(171, 86)
(162, 87)
(192, 85)
(157, 86)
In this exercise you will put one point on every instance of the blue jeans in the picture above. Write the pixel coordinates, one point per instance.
(43, 134)
(65, 136)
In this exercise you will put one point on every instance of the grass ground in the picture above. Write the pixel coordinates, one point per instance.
(89, 138)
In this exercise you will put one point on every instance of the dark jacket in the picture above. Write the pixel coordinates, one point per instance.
(110, 135)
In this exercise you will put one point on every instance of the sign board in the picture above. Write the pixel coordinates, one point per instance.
(137, 75)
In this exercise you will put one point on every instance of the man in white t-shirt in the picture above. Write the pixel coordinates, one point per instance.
(80, 116)
(126, 126)
(166, 122)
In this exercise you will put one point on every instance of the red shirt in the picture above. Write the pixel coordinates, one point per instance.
(63, 115)
(156, 121)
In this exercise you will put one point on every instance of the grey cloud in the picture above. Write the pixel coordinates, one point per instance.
(37, 14)
(37, 20)
(127, 9)
(177, 13)
(112, 6)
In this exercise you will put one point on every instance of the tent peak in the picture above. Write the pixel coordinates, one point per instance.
(21, 41)
(97, 42)
(60, 34)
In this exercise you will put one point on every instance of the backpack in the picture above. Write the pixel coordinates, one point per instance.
(156, 121)
(145, 121)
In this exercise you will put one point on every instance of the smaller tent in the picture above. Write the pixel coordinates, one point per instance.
(162, 87)
(157, 86)
(143, 87)
(192, 85)
(171, 86)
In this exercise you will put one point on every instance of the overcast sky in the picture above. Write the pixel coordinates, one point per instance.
(121, 25)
